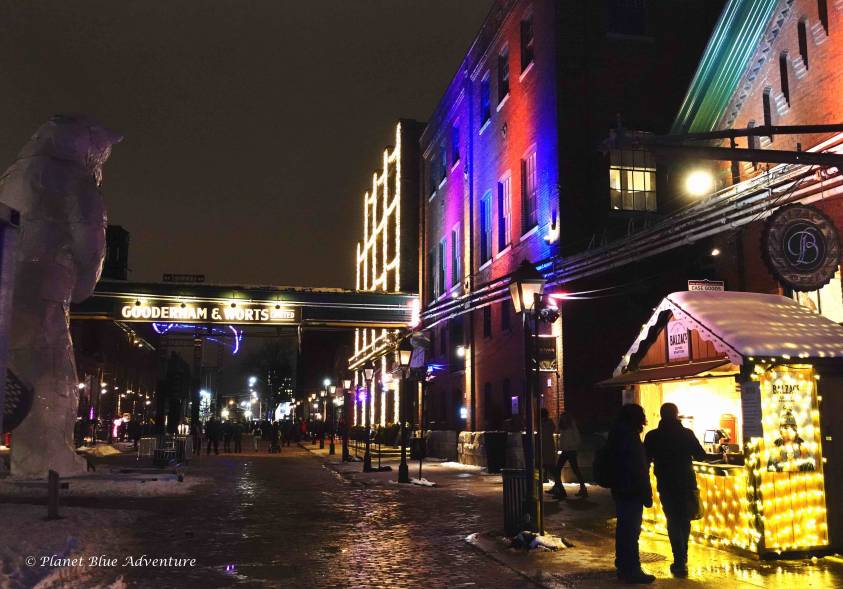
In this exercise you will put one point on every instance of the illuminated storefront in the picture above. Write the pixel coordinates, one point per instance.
(749, 373)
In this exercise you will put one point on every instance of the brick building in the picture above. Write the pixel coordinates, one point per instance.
(514, 169)
(386, 260)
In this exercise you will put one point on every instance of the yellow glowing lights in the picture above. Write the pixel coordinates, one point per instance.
(776, 501)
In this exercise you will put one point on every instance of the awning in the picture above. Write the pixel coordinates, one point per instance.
(674, 372)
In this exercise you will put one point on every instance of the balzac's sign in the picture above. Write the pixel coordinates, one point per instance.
(801, 247)
(238, 313)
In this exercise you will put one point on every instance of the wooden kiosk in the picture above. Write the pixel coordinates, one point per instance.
(759, 379)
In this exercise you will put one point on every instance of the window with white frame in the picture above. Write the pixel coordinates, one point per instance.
(526, 42)
(485, 100)
(486, 228)
(504, 212)
(503, 74)
(455, 144)
(632, 180)
(441, 254)
(455, 255)
(529, 186)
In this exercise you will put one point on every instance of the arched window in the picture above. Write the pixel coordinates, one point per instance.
(802, 30)
(768, 117)
(783, 76)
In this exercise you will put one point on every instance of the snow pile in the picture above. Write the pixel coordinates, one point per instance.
(531, 541)
(422, 482)
(78, 532)
(99, 450)
(460, 466)
(105, 485)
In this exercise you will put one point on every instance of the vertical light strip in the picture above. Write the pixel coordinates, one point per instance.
(398, 208)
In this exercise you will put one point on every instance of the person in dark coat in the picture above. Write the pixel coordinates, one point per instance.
(237, 437)
(631, 491)
(213, 432)
(134, 430)
(671, 447)
(227, 432)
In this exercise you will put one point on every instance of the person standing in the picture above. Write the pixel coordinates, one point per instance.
(256, 436)
(672, 448)
(569, 445)
(237, 437)
(548, 442)
(212, 432)
(631, 491)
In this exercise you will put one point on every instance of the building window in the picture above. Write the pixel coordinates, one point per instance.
(486, 228)
(504, 212)
(485, 100)
(455, 144)
(455, 255)
(526, 42)
(431, 176)
(802, 30)
(828, 301)
(440, 268)
(822, 12)
(431, 275)
(765, 103)
(632, 180)
(510, 403)
(505, 316)
(783, 76)
(487, 321)
(627, 17)
(529, 215)
(443, 343)
(433, 342)
(503, 75)
(443, 162)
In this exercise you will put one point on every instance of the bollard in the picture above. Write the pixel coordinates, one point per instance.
(52, 495)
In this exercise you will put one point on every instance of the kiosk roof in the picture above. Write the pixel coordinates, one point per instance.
(745, 324)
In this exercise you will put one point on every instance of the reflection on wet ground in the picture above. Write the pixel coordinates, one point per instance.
(286, 521)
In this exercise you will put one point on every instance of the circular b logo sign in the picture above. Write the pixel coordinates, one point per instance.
(801, 247)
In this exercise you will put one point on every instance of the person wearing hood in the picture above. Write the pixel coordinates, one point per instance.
(672, 448)
(631, 491)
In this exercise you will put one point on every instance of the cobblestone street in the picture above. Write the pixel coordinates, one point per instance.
(284, 521)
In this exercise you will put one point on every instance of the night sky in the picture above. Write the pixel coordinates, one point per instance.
(252, 127)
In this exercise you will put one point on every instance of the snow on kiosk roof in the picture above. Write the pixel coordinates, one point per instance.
(746, 324)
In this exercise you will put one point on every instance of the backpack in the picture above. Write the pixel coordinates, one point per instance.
(603, 467)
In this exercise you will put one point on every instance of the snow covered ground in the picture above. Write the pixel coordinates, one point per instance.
(32, 546)
(105, 485)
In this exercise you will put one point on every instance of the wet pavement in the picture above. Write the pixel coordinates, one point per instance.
(305, 519)
(287, 521)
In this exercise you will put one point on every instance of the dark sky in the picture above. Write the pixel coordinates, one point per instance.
(252, 127)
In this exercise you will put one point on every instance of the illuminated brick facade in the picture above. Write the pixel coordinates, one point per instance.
(513, 170)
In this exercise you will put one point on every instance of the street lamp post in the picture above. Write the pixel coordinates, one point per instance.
(323, 393)
(368, 375)
(526, 287)
(346, 386)
(405, 352)
(332, 389)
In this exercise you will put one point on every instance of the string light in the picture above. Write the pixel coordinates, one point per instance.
(777, 499)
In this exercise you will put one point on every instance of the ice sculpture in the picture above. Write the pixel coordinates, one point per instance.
(54, 183)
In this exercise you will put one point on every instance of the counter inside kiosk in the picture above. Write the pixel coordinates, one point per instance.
(745, 371)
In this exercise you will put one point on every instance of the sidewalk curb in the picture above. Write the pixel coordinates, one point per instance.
(481, 544)
(327, 464)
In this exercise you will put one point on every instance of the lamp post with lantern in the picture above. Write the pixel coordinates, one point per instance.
(323, 394)
(405, 352)
(368, 375)
(332, 389)
(346, 405)
(526, 287)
